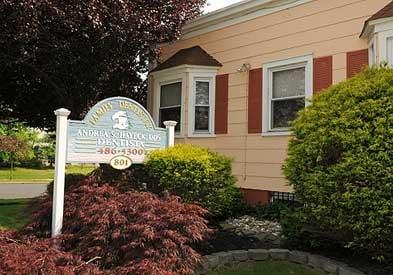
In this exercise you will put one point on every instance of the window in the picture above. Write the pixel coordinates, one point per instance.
(175, 86)
(282, 196)
(288, 96)
(389, 50)
(372, 54)
(170, 104)
(380, 41)
(201, 106)
(287, 85)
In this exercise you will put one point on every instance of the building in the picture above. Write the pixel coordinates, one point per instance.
(238, 76)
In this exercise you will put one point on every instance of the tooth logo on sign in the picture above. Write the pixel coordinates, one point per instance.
(121, 120)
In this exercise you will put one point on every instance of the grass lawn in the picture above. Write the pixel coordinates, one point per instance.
(12, 213)
(44, 175)
(268, 268)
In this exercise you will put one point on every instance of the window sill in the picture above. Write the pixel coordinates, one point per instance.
(277, 134)
(202, 135)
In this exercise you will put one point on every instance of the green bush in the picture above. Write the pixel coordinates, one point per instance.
(197, 175)
(340, 161)
(272, 211)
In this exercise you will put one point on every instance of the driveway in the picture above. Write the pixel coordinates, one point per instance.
(21, 190)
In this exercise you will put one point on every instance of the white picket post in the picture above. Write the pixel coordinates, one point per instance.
(170, 126)
(60, 164)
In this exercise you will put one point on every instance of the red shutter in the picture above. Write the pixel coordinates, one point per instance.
(356, 61)
(255, 101)
(221, 115)
(323, 73)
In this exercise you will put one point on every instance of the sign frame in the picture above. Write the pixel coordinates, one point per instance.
(65, 126)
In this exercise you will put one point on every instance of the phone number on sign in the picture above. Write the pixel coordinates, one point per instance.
(125, 151)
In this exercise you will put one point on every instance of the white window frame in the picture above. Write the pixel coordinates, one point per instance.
(165, 78)
(282, 65)
(378, 33)
(384, 37)
(174, 106)
(186, 74)
(203, 77)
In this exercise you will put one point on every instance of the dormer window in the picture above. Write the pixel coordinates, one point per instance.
(184, 91)
(378, 29)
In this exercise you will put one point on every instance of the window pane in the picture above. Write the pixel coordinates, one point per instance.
(202, 93)
(289, 83)
(201, 118)
(284, 111)
(173, 114)
(170, 95)
(390, 50)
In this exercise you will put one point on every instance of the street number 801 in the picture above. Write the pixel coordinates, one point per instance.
(120, 162)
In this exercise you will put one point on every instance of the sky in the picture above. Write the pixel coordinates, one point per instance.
(218, 4)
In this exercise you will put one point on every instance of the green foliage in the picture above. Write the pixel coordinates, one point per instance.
(197, 175)
(38, 148)
(272, 211)
(25, 135)
(13, 213)
(340, 161)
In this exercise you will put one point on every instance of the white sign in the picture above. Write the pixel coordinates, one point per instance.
(117, 131)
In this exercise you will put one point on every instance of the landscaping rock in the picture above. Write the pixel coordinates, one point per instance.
(279, 254)
(258, 254)
(239, 255)
(346, 270)
(224, 258)
(263, 230)
(330, 266)
(323, 263)
(212, 261)
(298, 257)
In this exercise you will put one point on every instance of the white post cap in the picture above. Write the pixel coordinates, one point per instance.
(62, 112)
(170, 123)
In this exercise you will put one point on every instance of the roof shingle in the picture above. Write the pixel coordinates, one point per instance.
(386, 11)
(190, 56)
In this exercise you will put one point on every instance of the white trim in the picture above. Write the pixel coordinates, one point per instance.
(184, 69)
(186, 75)
(378, 32)
(237, 13)
(193, 78)
(372, 51)
(277, 133)
(383, 43)
(280, 65)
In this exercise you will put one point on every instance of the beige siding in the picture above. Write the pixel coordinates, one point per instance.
(320, 27)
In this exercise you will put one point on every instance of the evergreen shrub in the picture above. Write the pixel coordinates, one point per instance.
(340, 162)
(197, 175)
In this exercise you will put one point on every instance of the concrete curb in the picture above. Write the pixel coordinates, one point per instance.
(228, 258)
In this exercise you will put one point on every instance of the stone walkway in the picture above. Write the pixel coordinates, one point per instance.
(20, 190)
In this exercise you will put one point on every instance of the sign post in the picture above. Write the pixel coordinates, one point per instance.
(170, 126)
(116, 131)
(60, 163)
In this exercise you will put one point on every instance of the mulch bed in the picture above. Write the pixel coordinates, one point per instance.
(223, 240)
